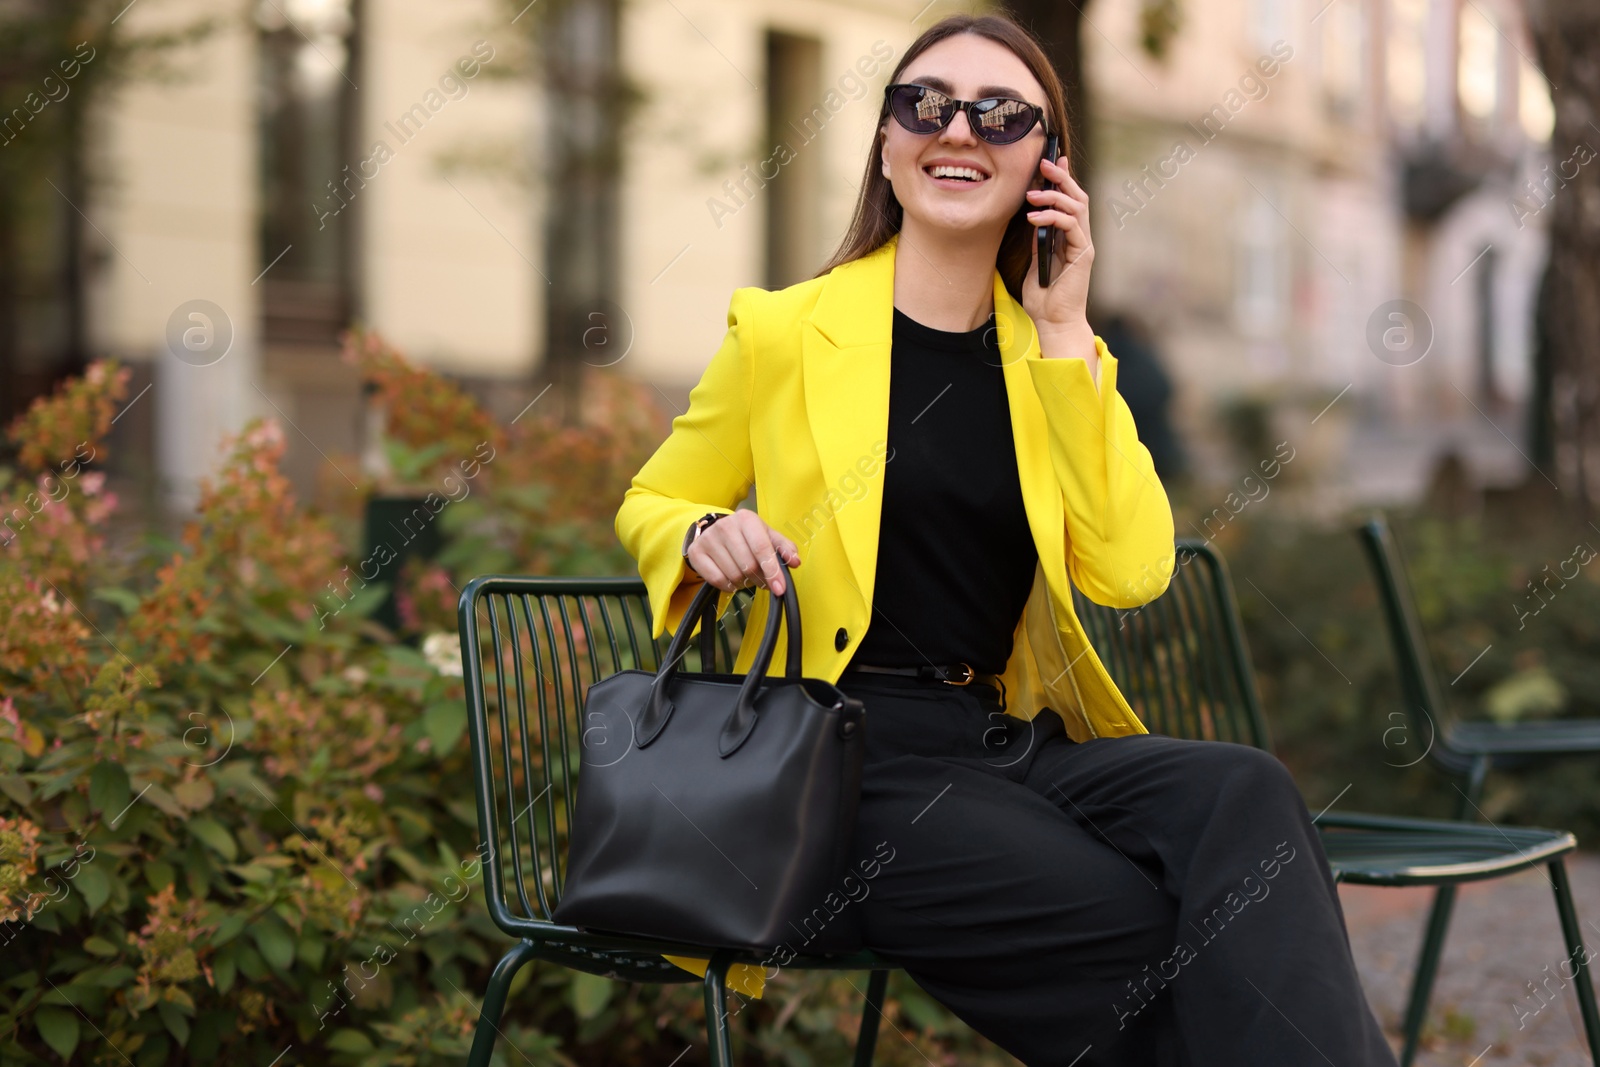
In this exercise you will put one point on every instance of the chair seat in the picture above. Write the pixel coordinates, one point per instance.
(631, 965)
(615, 963)
(1386, 850)
(1553, 737)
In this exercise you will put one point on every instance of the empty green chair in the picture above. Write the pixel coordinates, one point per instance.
(1465, 752)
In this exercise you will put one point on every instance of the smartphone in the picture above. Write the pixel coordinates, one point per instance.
(1046, 234)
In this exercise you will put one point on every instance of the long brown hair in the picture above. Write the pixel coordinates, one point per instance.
(878, 213)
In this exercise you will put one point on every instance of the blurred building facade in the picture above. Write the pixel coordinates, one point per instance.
(1321, 206)
(1263, 193)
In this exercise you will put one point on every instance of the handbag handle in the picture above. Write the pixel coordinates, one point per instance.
(658, 708)
(708, 622)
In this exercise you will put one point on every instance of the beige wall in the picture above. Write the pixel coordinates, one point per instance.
(702, 63)
(451, 273)
(175, 223)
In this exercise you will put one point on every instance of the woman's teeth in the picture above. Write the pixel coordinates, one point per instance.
(959, 173)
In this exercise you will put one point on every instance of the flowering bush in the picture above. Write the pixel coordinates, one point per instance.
(235, 822)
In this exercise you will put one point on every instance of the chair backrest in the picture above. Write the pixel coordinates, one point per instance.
(1181, 659)
(1419, 685)
(530, 649)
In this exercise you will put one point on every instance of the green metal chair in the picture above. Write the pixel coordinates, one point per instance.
(1183, 664)
(531, 647)
(1463, 752)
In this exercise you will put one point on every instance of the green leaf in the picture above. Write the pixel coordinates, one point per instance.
(59, 1028)
(229, 928)
(126, 599)
(164, 801)
(212, 833)
(590, 994)
(445, 721)
(224, 970)
(196, 794)
(348, 1040)
(114, 977)
(252, 872)
(275, 941)
(408, 863)
(108, 789)
(177, 1024)
(159, 874)
(94, 885)
(311, 949)
(17, 788)
(250, 962)
(1529, 694)
(100, 947)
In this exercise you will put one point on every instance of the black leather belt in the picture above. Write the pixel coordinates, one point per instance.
(950, 673)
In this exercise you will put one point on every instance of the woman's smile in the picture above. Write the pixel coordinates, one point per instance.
(955, 174)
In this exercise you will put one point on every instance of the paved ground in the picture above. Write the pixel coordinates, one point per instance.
(1503, 935)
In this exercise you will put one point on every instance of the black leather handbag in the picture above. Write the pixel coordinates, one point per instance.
(717, 809)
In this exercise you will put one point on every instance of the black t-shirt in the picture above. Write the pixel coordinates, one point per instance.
(955, 553)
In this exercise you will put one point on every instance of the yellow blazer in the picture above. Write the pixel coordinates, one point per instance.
(796, 402)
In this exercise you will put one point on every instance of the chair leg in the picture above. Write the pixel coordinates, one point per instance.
(1572, 934)
(494, 1002)
(1467, 806)
(1427, 969)
(718, 1039)
(867, 1043)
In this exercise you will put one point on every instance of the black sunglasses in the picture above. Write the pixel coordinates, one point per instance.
(996, 119)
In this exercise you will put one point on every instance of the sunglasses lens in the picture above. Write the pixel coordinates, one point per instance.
(1001, 120)
(919, 109)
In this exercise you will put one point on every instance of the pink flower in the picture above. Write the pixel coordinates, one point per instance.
(8, 714)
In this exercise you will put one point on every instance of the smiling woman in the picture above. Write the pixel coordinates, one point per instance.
(1026, 891)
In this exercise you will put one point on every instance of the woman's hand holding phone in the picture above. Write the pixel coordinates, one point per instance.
(1060, 312)
(739, 550)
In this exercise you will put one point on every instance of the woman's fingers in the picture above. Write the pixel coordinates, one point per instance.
(791, 554)
(763, 553)
(742, 549)
(1057, 198)
(1060, 175)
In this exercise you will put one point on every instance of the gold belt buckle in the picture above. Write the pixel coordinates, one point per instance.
(971, 674)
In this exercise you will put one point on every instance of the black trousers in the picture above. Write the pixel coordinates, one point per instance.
(1125, 901)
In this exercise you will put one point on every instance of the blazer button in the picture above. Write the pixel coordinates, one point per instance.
(840, 639)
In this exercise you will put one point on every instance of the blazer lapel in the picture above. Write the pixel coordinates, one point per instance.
(845, 361)
(845, 349)
(1030, 432)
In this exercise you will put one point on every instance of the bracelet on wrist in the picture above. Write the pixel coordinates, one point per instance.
(697, 528)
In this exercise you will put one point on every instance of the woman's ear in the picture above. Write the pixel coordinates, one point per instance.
(883, 142)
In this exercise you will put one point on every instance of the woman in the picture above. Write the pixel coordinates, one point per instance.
(1078, 890)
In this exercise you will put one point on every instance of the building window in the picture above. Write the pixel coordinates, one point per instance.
(1406, 62)
(309, 199)
(1343, 58)
(1477, 65)
(791, 163)
(1534, 109)
(1271, 21)
(1261, 280)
